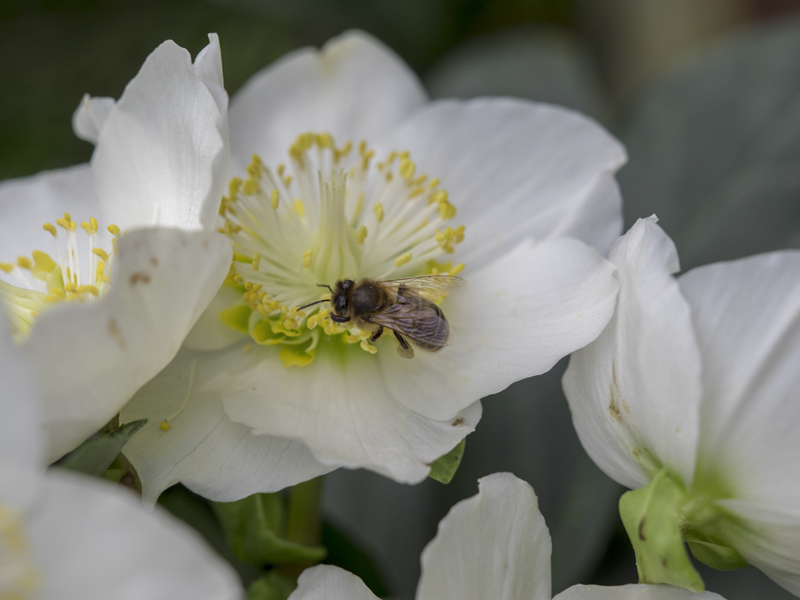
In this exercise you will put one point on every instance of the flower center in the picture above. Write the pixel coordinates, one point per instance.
(18, 577)
(334, 213)
(44, 281)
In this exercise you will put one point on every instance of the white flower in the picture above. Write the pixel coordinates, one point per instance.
(376, 182)
(94, 332)
(692, 391)
(70, 536)
(493, 545)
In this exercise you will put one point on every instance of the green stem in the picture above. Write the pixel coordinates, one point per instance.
(303, 522)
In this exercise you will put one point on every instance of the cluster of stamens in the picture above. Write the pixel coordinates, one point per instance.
(335, 212)
(45, 281)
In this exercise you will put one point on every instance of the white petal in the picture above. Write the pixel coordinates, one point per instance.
(214, 457)
(747, 318)
(161, 158)
(92, 358)
(634, 393)
(517, 317)
(769, 538)
(493, 545)
(93, 541)
(354, 87)
(90, 117)
(516, 169)
(209, 333)
(21, 435)
(345, 411)
(326, 582)
(29, 202)
(633, 592)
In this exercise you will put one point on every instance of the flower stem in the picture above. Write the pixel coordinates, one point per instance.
(303, 522)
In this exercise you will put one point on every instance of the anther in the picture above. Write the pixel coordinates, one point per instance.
(379, 211)
(50, 228)
(403, 259)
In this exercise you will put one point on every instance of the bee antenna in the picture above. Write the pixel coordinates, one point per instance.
(313, 303)
(325, 285)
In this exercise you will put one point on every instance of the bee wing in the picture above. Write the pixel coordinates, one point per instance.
(420, 321)
(432, 287)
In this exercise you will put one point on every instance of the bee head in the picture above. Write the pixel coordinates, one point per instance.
(339, 299)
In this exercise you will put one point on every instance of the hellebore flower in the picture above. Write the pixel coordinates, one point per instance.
(64, 535)
(690, 397)
(355, 175)
(493, 545)
(96, 332)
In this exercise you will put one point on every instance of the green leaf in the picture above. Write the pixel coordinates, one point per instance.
(651, 516)
(343, 553)
(96, 454)
(254, 526)
(444, 468)
(271, 586)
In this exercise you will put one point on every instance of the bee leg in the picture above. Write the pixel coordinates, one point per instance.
(404, 349)
(377, 334)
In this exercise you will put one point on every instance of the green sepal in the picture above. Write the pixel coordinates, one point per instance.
(714, 553)
(444, 468)
(96, 454)
(652, 517)
(271, 586)
(254, 526)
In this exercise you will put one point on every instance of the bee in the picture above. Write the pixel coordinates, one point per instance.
(407, 307)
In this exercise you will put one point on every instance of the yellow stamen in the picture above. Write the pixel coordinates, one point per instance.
(361, 234)
(379, 211)
(274, 199)
(405, 258)
(101, 253)
(456, 270)
(51, 228)
(250, 186)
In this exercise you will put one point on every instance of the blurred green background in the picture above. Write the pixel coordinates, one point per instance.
(704, 93)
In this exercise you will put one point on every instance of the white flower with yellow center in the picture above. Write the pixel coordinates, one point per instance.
(104, 268)
(345, 172)
(690, 398)
(65, 535)
(494, 545)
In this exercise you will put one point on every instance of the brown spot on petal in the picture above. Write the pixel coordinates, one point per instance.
(113, 329)
(458, 421)
(640, 530)
(140, 278)
(154, 261)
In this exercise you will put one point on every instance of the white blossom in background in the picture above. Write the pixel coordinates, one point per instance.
(692, 390)
(494, 545)
(65, 536)
(355, 174)
(100, 311)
